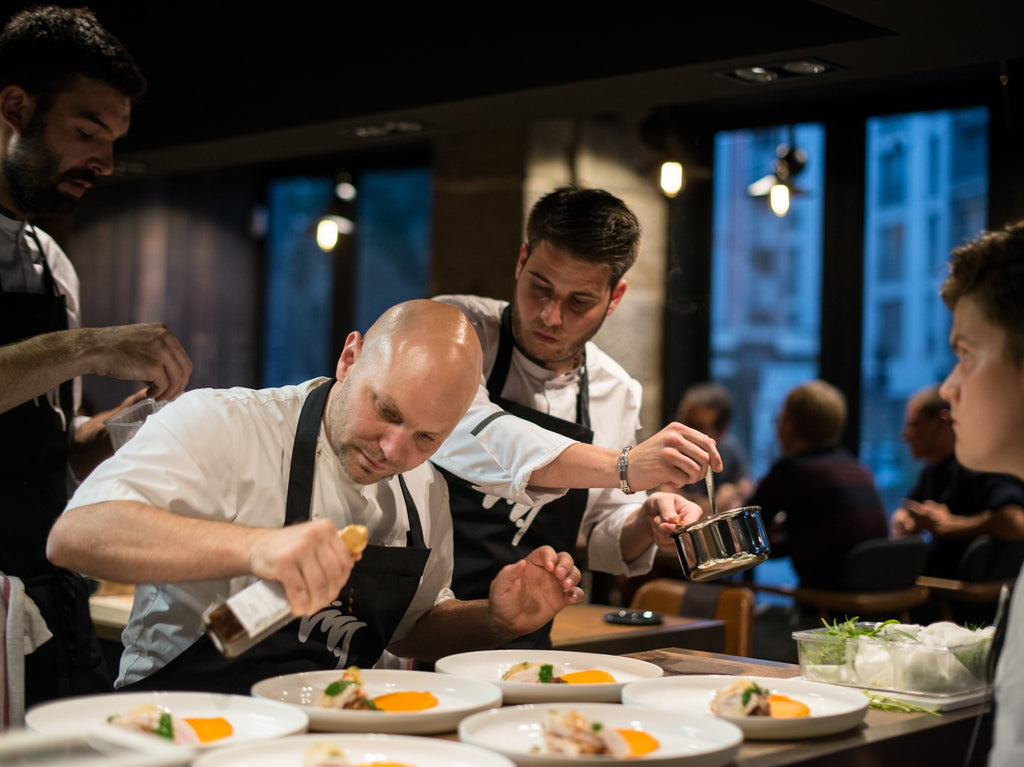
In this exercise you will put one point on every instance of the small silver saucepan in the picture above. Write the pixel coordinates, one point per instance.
(722, 544)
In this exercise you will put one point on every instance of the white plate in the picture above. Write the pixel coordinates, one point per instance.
(490, 665)
(250, 719)
(456, 698)
(517, 732)
(833, 708)
(360, 749)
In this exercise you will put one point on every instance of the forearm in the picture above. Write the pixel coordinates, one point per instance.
(1007, 523)
(130, 542)
(452, 626)
(36, 365)
(580, 465)
(636, 537)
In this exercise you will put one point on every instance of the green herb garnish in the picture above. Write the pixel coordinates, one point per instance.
(546, 673)
(165, 728)
(885, 703)
(750, 691)
(337, 688)
(596, 727)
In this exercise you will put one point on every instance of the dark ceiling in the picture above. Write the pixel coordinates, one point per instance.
(235, 81)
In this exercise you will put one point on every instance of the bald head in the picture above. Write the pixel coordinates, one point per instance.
(927, 429)
(403, 388)
(429, 340)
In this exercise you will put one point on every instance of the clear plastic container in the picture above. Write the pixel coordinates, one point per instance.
(895, 662)
(122, 426)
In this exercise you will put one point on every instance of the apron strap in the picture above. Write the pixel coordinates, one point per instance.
(300, 481)
(414, 535)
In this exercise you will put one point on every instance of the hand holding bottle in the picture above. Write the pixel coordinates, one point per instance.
(299, 566)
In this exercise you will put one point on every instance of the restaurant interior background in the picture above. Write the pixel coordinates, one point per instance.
(448, 121)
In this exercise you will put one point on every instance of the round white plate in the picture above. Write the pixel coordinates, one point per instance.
(456, 699)
(490, 665)
(833, 708)
(518, 733)
(360, 749)
(251, 719)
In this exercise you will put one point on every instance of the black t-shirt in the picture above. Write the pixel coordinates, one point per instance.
(966, 493)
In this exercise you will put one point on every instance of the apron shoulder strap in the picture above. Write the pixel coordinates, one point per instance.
(414, 536)
(503, 362)
(300, 481)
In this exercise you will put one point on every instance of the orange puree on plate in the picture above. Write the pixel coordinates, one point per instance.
(784, 707)
(591, 676)
(211, 729)
(405, 701)
(639, 742)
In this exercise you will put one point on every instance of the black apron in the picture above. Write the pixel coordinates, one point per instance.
(484, 534)
(355, 629)
(33, 493)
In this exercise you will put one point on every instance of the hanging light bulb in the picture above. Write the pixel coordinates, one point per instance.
(330, 228)
(778, 199)
(778, 186)
(327, 234)
(673, 179)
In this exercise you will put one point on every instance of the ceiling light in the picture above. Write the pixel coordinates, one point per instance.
(806, 67)
(759, 74)
(756, 74)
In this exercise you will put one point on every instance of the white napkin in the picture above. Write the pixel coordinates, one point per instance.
(22, 630)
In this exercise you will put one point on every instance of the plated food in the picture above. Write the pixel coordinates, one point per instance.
(354, 750)
(746, 702)
(159, 722)
(349, 692)
(546, 676)
(378, 700)
(745, 697)
(568, 732)
(602, 733)
(193, 720)
(552, 673)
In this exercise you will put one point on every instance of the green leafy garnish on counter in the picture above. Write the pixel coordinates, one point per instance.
(885, 703)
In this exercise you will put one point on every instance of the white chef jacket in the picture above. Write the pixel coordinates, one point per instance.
(498, 455)
(225, 455)
(1007, 736)
(21, 271)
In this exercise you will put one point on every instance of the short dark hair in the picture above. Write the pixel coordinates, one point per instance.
(43, 49)
(710, 395)
(990, 269)
(591, 224)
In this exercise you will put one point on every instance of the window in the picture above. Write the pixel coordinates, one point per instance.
(391, 254)
(765, 283)
(906, 326)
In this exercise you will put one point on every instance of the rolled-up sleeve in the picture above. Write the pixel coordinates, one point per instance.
(497, 452)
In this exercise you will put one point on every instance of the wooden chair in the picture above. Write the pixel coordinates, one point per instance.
(878, 579)
(986, 566)
(734, 605)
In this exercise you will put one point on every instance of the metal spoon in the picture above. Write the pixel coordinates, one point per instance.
(709, 478)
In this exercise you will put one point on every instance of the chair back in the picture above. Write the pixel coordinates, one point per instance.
(733, 605)
(883, 564)
(989, 559)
